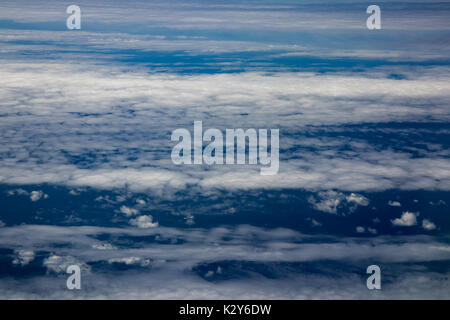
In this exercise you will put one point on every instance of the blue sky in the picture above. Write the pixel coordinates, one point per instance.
(86, 175)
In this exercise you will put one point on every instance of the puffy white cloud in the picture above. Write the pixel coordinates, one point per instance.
(23, 257)
(428, 225)
(144, 222)
(59, 264)
(407, 219)
(358, 199)
(129, 211)
(74, 192)
(331, 201)
(141, 202)
(394, 204)
(37, 195)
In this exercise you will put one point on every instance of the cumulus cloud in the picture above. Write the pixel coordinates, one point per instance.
(23, 257)
(144, 222)
(407, 219)
(129, 211)
(357, 199)
(331, 201)
(59, 264)
(37, 195)
(394, 204)
(428, 225)
(141, 202)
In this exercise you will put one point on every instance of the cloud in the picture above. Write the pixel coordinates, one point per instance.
(358, 199)
(394, 204)
(329, 201)
(95, 102)
(144, 222)
(407, 219)
(74, 192)
(129, 211)
(314, 222)
(361, 229)
(18, 191)
(97, 112)
(103, 246)
(130, 261)
(293, 101)
(23, 257)
(332, 201)
(428, 225)
(171, 274)
(59, 264)
(37, 195)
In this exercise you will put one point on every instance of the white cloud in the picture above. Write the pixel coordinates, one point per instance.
(130, 261)
(296, 100)
(37, 195)
(360, 229)
(103, 246)
(428, 225)
(23, 257)
(18, 191)
(331, 201)
(394, 204)
(358, 199)
(141, 202)
(129, 211)
(74, 192)
(144, 222)
(2, 224)
(407, 219)
(59, 264)
(172, 278)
